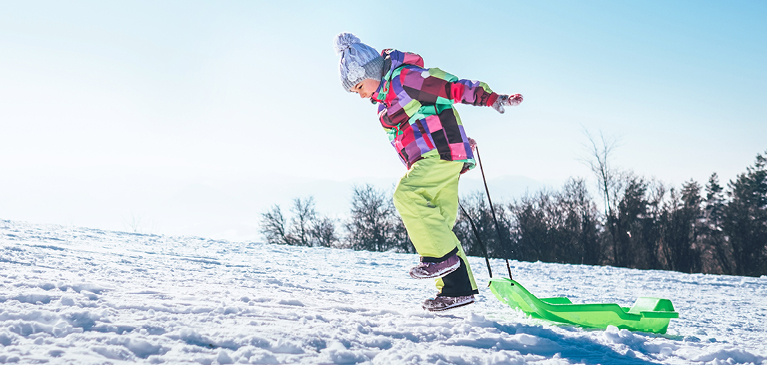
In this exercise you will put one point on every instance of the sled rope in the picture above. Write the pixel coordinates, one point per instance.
(495, 220)
(492, 210)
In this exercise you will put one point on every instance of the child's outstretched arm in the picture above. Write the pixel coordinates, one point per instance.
(436, 86)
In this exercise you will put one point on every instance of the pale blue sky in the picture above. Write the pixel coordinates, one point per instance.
(116, 110)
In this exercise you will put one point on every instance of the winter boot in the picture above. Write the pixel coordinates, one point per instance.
(441, 303)
(433, 270)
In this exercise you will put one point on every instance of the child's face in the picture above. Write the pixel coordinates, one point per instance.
(366, 88)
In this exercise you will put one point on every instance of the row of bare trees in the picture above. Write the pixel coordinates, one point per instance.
(642, 224)
(373, 224)
(305, 228)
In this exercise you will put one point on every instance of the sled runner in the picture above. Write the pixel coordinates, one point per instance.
(647, 314)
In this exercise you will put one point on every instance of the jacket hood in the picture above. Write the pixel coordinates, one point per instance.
(393, 59)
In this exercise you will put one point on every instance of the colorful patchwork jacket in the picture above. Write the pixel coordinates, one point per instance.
(416, 108)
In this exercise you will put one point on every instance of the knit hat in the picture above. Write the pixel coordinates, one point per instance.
(358, 60)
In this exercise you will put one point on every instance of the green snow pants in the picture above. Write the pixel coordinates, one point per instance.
(427, 200)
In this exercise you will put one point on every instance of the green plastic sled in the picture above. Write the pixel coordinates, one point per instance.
(647, 314)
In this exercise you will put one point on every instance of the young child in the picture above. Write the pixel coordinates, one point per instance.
(415, 108)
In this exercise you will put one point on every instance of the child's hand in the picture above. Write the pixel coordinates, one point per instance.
(472, 143)
(506, 100)
(515, 99)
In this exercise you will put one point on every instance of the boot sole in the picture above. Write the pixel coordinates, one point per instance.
(450, 307)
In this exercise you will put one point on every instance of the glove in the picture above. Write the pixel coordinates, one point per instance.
(506, 100)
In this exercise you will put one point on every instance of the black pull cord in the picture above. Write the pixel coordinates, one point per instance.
(476, 233)
(495, 220)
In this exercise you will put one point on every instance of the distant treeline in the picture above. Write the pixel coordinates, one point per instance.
(642, 223)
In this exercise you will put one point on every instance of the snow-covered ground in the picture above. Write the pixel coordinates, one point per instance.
(87, 296)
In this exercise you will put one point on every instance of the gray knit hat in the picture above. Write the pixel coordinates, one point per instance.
(358, 60)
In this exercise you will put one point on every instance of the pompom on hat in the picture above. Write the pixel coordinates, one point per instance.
(358, 60)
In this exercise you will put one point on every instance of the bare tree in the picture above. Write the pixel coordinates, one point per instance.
(609, 181)
(304, 216)
(373, 223)
(273, 227)
(600, 154)
(323, 232)
(134, 223)
(581, 223)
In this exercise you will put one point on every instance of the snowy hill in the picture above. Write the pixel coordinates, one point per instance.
(86, 296)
